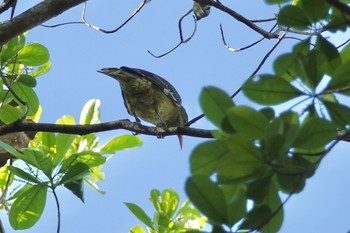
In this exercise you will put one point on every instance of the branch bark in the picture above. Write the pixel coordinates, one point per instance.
(107, 126)
(218, 5)
(36, 15)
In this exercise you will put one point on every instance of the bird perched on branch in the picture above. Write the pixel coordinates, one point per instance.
(149, 97)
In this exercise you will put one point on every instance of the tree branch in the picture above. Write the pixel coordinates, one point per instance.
(218, 5)
(19, 126)
(36, 15)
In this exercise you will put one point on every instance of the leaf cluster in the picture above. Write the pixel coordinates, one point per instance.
(168, 216)
(57, 160)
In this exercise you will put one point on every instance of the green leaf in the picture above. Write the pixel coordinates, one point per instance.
(77, 188)
(269, 90)
(27, 208)
(255, 217)
(313, 66)
(215, 103)
(139, 213)
(257, 190)
(315, 10)
(248, 121)
(91, 112)
(37, 159)
(43, 69)
(293, 16)
(137, 229)
(91, 159)
(24, 175)
(315, 133)
(165, 202)
(243, 163)
(274, 202)
(205, 157)
(76, 172)
(207, 197)
(27, 95)
(340, 79)
(33, 54)
(236, 203)
(345, 53)
(9, 114)
(5, 179)
(10, 149)
(66, 120)
(331, 52)
(122, 142)
(20, 192)
(339, 113)
(63, 143)
(10, 49)
(27, 80)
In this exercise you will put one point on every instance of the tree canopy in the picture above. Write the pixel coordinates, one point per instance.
(254, 155)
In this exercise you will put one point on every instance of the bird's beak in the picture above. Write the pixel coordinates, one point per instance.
(180, 140)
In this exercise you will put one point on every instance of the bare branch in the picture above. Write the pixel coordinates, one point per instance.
(182, 40)
(36, 15)
(238, 17)
(237, 49)
(118, 28)
(19, 126)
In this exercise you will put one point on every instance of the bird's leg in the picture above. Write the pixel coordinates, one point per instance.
(138, 122)
(160, 126)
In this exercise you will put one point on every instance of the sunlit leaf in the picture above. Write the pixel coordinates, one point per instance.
(76, 172)
(9, 114)
(24, 175)
(139, 213)
(27, 208)
(37, 159)
(122, 142)
(33, 54)
(27, 95)
(63, 143)
(90, 113)
(137, 229)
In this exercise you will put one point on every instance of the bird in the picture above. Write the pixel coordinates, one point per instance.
(149, 97)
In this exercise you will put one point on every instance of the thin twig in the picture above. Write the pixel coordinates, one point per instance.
(182, 40)
(253, 74)
(118, 28)
(60, 24)
(238, 17)
(58, 209)
(307, 170)
(239, 49)
(342, 44)
(262, 20)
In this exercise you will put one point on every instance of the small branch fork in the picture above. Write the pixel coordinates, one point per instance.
(218, 5)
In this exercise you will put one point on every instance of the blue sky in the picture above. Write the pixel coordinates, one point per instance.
(77, 52)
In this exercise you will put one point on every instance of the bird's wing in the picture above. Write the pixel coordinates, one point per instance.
(159, 82)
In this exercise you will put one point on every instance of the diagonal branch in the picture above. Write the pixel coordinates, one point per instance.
(19, 126)
(36, 15)
(238, 17)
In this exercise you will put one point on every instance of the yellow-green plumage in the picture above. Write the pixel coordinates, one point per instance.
(149, 97)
